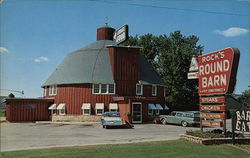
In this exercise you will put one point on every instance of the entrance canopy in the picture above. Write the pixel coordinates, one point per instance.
(60, 107)
(166, 107)
(158, 107)
(86, 106)
(52, 107)
(151, 107)
(113, 106)
(99, 106)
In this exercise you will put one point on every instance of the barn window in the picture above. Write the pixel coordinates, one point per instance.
(86, 109)
(139, 89)
(154, 90)
(53, 90)
(99, 107)
(96, 88)
(53, 109)
(111, 88)
(61, 108)
(103, 88)
(44, 92)
(165, 91)
(151, 108)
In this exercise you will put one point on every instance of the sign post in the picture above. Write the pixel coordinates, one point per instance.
(217, 73)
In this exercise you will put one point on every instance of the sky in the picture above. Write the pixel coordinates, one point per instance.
(36, 35)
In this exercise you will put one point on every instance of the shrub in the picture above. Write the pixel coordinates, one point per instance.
(207, 134)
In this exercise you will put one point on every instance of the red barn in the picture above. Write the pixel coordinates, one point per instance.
(105, 77)
(102, 77)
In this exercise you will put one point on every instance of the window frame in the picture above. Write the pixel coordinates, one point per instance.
(60, 112)
(157, 112)
(100, 88)
(136, 88)
(165, 89)
(99, 113)
(52, 90)
(53, 112)
(154, 92)
(83, 112)
(150, 113)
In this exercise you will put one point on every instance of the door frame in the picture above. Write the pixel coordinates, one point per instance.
(133, 112)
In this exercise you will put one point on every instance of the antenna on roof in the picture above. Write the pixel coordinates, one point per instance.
(106, 21)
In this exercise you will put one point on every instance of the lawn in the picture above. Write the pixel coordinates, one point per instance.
(161, 149)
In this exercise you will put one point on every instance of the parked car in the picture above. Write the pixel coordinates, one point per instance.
(184, 118)
(110, 119)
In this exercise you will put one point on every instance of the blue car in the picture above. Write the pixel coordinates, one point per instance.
(111, 119)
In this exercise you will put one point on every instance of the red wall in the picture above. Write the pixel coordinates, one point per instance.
(125, 69)
(75, 95)
(21, 111)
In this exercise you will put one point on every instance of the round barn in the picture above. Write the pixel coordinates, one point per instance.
(104, 77)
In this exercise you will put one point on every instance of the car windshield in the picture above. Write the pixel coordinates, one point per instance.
(112, 114)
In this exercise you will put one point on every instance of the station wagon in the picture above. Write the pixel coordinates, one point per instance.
(184, 118)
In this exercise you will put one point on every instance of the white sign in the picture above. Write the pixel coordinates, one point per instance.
(192, 75)
(121, 34)
(194, 64)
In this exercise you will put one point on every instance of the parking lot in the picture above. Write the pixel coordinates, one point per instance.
(17, 136)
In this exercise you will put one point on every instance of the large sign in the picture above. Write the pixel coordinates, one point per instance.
(242, 120)
(211, 123)
(121, 34)
(217, 71)
(221, 116)
(213, 108)
(212, 99)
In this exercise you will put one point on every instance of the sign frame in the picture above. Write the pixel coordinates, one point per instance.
(121, 35)
(212, 59)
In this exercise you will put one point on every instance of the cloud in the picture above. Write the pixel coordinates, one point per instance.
(41, 59)
(3, 50)
(232, 32)
(244, 0)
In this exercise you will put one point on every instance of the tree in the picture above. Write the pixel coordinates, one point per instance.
(171, 56)
(245, 98)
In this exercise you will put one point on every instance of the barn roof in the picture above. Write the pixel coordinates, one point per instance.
(89, 65)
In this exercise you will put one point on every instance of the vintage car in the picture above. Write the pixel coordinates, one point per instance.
(110, 119)
(184, 118)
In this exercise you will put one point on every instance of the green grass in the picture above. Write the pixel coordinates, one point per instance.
(162, 149)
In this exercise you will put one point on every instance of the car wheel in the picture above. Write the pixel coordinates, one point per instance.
(103, 126)
(164, 122)
(184, 123)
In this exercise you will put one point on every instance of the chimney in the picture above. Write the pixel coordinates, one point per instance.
(105, 33)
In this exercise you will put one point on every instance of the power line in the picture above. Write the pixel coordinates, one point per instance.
(169, 8)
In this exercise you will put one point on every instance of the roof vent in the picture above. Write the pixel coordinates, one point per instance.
(105, 33)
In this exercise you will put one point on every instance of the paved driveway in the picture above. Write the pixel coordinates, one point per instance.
(17, 136)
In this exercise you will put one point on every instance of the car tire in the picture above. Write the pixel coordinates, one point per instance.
(184, 123)
(103, 126)
(164, 122)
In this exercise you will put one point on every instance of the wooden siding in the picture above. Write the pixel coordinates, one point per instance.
(105, 33)
(26, 111)
(125, 69)
(75, 95)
